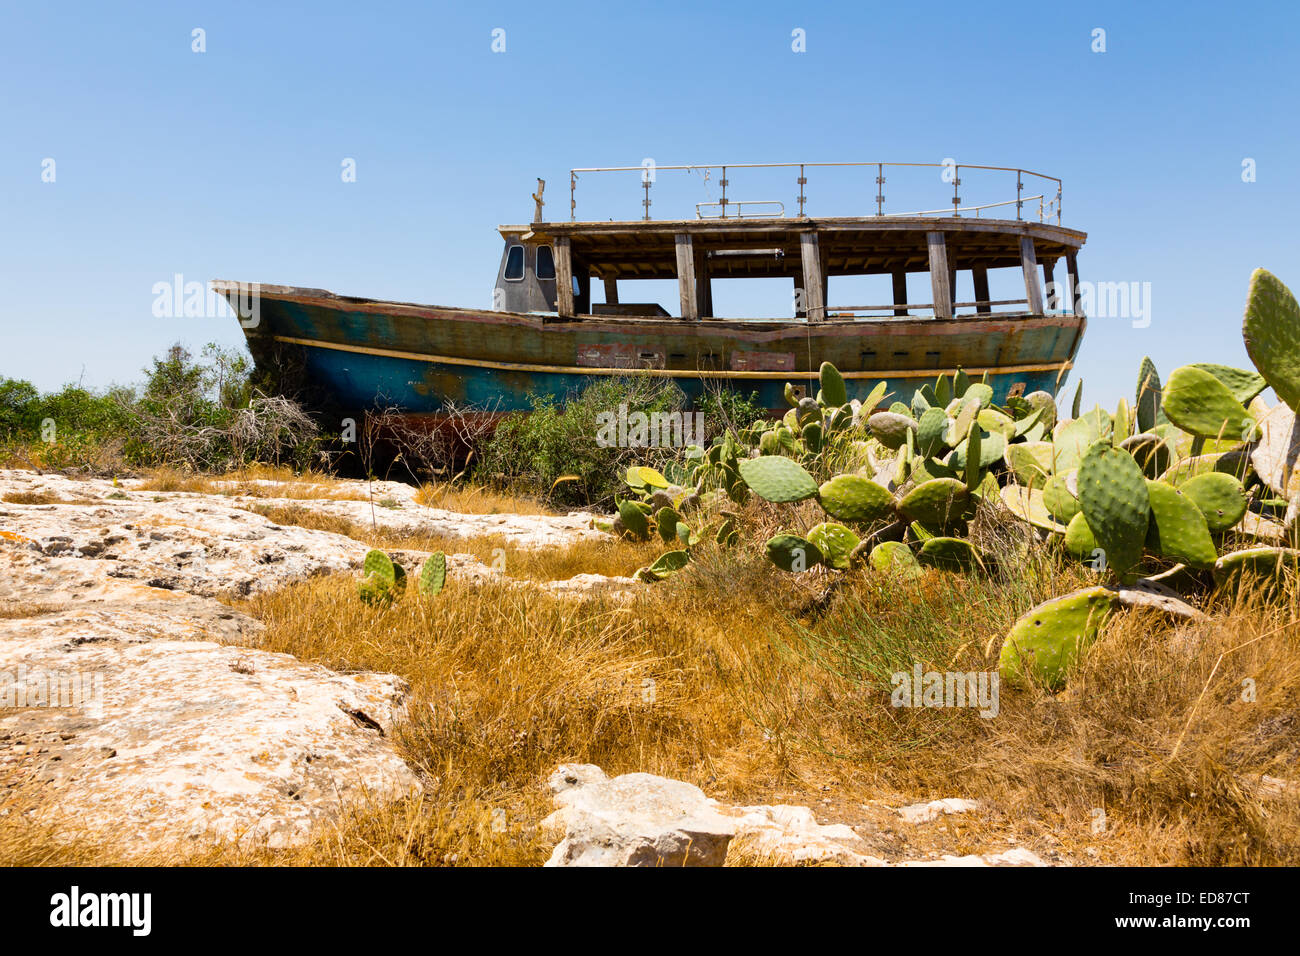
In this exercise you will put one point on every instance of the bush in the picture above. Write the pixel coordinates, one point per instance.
(562, 453)
(200, 413)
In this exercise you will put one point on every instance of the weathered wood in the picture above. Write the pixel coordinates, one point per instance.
(814, 282)
(703, 284)
(564, 303)
(686, 277)
(981, 276)
(1029, 265)
(941, 290)
(1076, 294)
(1052, 296)
(611, 291)
(582, 300)
(899, 277)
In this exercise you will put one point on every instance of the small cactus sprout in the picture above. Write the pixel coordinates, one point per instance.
(433, 574)
(833, 390)
(382, 579)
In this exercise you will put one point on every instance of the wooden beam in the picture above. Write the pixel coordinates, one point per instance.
(564, 278)
(941, 291)
(582, 302)
(981, 276)
(686, 277)
(1029, 265)
(611, 291)
(814, 285)
(900, 291)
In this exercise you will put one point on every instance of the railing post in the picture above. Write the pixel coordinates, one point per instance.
(802, 182)
(724, 192)
(1020, 188)
(880, 191)
(573, 188)
(956, 198)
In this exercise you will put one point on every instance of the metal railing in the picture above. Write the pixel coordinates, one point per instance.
(740, 205)
(1049, 200)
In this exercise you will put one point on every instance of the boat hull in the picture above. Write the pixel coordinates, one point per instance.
(359, 354)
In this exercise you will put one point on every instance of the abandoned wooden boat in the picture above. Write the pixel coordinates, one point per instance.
(549, 335)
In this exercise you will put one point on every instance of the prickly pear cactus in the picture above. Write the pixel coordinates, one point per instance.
(382, 579)
(1178, 529)
(1199, 403)
(835, 542)
(1114, 500)
(433, 574)
(790, 552)
(1271, 328)
(937, 502)
(896, 558)
(1220, 498)
(833, 390)
(855, 499)
(1045, 644)
(777, 478)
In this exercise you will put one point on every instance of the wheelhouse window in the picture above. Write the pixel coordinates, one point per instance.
(545, 263)
(515, 263)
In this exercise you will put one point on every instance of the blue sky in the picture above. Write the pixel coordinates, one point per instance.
(226, 164)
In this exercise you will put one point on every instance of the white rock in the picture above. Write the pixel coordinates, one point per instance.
(925, 812)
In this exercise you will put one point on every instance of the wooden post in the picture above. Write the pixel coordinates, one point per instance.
(582, 303)
(703, 285)
(1029, 265)
(1051, 294)
(563, 278)
(941, 291)
(814, 286)
(686, 277)
(900, 291)
(611, 290)
(1076, 294)
(981, 275)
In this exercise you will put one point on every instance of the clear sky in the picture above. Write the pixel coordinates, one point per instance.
(228, 163)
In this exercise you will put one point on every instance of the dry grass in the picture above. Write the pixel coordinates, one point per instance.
(606, 556)
(477, 500)
(761, 686)
(251, 481)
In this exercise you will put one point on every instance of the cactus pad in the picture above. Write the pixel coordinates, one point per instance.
(1220, 498)
(896, 558)
(433, 574)
(937, 502)
(835, 542)
(1199, 403)
(891, 428)
(1271, 328)
(1178, 530)
(1114, 499)
(1079, 539)
(954, 554)
(1045, 644)
(790, 552)
(832, 382)
(855, 498)
(777, 478)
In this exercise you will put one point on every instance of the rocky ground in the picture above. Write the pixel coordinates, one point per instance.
(170, 725)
